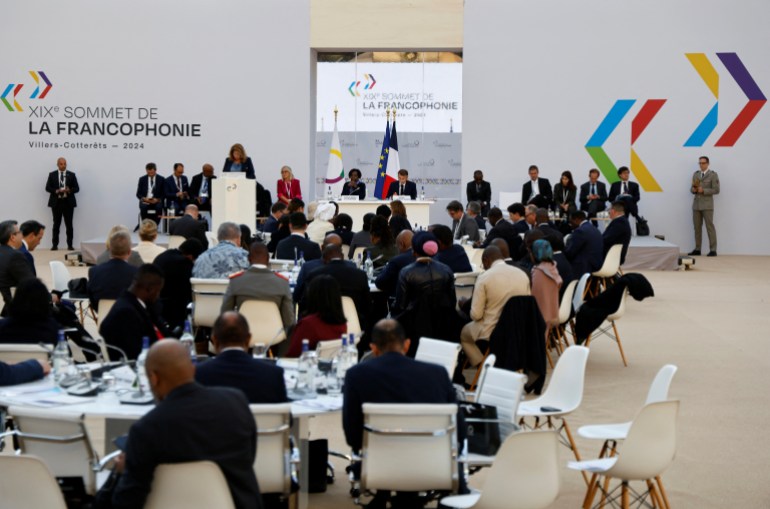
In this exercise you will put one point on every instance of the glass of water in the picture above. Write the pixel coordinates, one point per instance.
(260, 350)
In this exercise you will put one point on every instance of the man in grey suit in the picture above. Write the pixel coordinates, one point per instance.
(258, 282)
(462, 224)
(705, 184)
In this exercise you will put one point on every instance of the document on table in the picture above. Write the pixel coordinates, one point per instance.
(44, 398)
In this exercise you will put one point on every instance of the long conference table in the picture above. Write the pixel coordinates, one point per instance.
(418, 211)
(107, 409)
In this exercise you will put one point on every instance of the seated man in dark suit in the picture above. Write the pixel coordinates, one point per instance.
(462, 223)
(190, 423)
(618, 231)
(502, 229)
(260, 381)
(177, 190)
(110, 279)
(276, 211)
(479, 190)
(296, 243)
(133, 316)
(201, 188)
(625, 191)
(150, 191)
(551, 234)
(190, 226)
(388, 278)
(473, 210)
(32, 234)
(391, 377)
(450, 254)
(177, 266)
(593, 195)
(14, 268)
(517, 213)
(402, 187)
(536, 191)
(308, 267)
(585, 247)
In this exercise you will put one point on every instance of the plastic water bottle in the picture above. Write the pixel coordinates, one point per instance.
(306, 368)
(301, 259)
(188, 340)
(141, 372)
(351, 351)
(171, 210)
(294, 273)
(369, 266)
(359, 261)
(329, 195)
(422, 193)
(341, 361)
(61, 358)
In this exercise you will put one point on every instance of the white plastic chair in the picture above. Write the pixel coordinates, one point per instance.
(278, 263)
(464, 283)
(409, 447)
(194, 485)
(212, 238)
(524, 475)
(273, 462)
(603, 278)
(562, 396)
(612, 330)
(59, 439)
(647, 452)
(26, 483)
(437, 351)
(265, 323)
(60, 277)
(565, 310)
(104, 308)
(174, 241)
(12, 353)
(351, 314)
(360, 250)
(207, 300)
(580, 291)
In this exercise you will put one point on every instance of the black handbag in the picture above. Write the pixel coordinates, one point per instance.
(483, 430)
(78, 287)
(642, 228)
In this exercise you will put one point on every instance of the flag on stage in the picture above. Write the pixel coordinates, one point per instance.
(380, 190)
(391, 174)
(335, 172)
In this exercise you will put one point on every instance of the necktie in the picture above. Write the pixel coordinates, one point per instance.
(178, 184)
(205, 187)
(151, 188)
(61, 181)
(625, 187)
(402, 190)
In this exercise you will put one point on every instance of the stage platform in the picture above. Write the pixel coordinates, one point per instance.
(92, 248)
(649, 253)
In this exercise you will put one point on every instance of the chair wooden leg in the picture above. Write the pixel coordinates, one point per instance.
(620, 345)
(573, 446)
(663, 495)
(656, 502)
(548, 354)
(591, 492)
(624, 495)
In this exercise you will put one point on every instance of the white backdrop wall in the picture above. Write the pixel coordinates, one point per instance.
(240, 70)
(539, 77)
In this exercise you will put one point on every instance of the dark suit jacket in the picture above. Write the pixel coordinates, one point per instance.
(108, 280)
(388, 278)
(307, 268)
(553, 236)
(195, 191)
(158, 191)
(177, 290)
(483, 196)
(398, 224)
(171, 189)
(52, 184)
(618, 231)
(630, 199)
(126, 324)
(190, 228)
(455, 258)
(506, 231)
(246, 167)
(585, 190)
(410, 189)
(585, 249)
(28, 256)
(14, 268)
(391, 378)
(45, 330)
(260, 381)
(270, 225)
(22, 372)
(360, 190)
(193, 423)
(545, 193)
(520, 226)
(353, 283)
(285, 248)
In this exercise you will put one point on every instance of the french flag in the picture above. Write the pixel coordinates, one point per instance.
(391, 174)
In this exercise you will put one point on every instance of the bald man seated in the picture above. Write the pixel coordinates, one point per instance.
(190, 423)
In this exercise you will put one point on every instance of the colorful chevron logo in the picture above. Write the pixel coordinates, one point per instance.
(619, 110)
(370, 82)
(15, 88)
(710, 76)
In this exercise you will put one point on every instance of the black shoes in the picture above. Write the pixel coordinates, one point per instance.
(712, 253)
(695, 252)
(54, 248)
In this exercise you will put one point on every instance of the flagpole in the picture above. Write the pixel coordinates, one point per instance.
(335, 115)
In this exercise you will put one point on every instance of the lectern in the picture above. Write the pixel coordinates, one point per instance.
(234, 198)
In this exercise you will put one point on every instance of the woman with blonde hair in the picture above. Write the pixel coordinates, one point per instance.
(134, 259)
(147, 248)
(238, 161)
(288, 187)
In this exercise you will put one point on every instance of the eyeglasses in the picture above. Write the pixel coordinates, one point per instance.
(702, 162)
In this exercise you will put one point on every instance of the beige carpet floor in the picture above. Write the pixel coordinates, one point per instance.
(713, 322)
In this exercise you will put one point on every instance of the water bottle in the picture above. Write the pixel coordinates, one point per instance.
(422, 193)
(61, 358)
(171, 210)
(369, 266)
(306, 368)
(301, 259)
(359, 261)
(141, 373)
(188, 340)
(294, 273)
(352, 352)
(341, 361)
(329, 195)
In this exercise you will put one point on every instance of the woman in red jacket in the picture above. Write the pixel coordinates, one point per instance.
(288, 187)
(324, 318)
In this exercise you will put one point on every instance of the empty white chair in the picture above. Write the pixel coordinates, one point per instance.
(437, 351)
(464, 283)
(212, 238)
(207, 300)
(273, 461)
(524, 475)
(409, 447)
(502, 389)
(264, 320)
(647, 452)
(59, 439)
(351, 314)
(174, 241)
(562, 396)
(26, 483)
(611, 319)
(580, 291)
(194, 485)
(11, 353)
(278, 264)
(602, 278)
